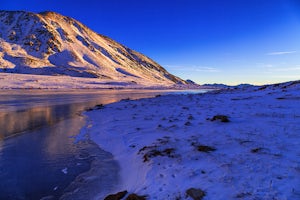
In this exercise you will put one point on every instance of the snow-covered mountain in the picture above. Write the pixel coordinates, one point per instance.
(51, 44)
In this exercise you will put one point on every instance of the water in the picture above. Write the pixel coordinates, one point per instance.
(23, 110)
(32, 164)
(38, 156)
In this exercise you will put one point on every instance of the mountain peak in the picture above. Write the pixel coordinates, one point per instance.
(50, 13)
(49, 43)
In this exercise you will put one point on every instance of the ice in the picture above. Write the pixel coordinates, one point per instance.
(65, 170)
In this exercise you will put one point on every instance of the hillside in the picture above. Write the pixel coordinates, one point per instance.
(51, 44)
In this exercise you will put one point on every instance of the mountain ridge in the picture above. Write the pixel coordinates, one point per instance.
(48, 43)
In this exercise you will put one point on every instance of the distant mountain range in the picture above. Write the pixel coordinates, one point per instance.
(51, 44)
(223, 86)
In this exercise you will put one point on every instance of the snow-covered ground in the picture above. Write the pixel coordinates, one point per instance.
(169, 144)
(29, 81)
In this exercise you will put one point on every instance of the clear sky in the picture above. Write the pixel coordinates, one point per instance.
(208, 41)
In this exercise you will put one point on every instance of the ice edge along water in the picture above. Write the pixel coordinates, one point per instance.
(168, 144)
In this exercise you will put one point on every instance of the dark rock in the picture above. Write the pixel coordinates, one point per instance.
(196, 194)
(154, 153)
(222, 118)
(169, 151)
(117, 196)
(188, 123)
(191, 117)
(135, 197)
(206, 149)
(191, 82)
(98, 107)
(256, 150)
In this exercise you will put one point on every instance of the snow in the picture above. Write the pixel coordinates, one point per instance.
(51, 44)
(168, 144)
(64, 170)
(30, 81)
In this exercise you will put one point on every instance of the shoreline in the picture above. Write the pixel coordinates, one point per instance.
(53, 113)
(170, 144)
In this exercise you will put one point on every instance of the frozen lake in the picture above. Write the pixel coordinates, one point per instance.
(38, 155)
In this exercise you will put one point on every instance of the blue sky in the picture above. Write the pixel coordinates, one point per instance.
(208, 41)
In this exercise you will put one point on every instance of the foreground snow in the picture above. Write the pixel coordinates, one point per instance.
(169, 144)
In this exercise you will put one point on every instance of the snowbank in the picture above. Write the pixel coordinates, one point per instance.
(169, 144)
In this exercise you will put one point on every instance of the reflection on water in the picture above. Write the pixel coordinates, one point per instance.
(20, 120)
(21, 111)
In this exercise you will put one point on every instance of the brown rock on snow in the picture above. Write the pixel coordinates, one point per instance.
(196, 194)
(117, 196)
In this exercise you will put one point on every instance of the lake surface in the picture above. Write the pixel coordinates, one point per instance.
(39, 158)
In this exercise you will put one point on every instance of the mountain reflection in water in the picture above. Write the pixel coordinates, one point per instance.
(26, 110)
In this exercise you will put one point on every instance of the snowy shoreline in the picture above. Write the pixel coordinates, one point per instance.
(169, 144)
(10, 81)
